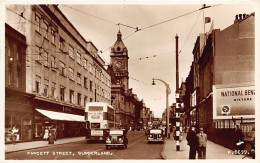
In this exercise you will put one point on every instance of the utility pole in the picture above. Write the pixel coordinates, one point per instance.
(177, 135)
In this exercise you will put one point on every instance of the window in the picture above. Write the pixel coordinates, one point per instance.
(71, 51)
(85, 100)
(71, 73)
(62, 68)
(90, 68)
(90, 85)
(53, 89)
(79, 78)
(91, 99)
(53, 62)
(46, 87)
(45, 58)
(37, 23)
(79, 99)
(84, 63)
(85, 82)
(37, 84)
(38, 54)
(61, 44)
(78, 57)
(52, 36)
(72, 96)
(62, 93)
(45, 27)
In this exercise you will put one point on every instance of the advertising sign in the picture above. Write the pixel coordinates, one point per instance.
(233, 101)
(96, 132)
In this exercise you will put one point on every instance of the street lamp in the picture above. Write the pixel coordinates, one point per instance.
(168, 91)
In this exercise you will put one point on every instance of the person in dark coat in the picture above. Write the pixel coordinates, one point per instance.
(238, 137)
(192, 142)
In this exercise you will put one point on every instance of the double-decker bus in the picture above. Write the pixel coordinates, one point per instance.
(99, 118)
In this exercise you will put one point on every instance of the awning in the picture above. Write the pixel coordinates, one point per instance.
(61, 116)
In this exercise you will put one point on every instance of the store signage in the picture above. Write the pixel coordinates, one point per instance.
(233, 102)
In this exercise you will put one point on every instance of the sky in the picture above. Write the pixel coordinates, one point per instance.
(98, 23)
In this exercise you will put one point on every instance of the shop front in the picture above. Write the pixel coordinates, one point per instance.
(19, 113)
(67, 120)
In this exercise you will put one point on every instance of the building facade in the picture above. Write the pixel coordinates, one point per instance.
(128, 107)
(224, 85)
(18, 103)
(63, 70)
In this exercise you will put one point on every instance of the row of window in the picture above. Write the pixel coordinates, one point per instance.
(62, 91)
(43, 56)
(44, 59)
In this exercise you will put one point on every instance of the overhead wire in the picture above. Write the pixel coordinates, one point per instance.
(46, 32)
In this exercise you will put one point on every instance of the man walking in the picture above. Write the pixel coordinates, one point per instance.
(192, 142)
(202, 140)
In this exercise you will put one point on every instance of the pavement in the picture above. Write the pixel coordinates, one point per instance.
(9, 148)
(213, 150)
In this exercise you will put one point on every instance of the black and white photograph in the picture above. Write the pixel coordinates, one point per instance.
(129, 80)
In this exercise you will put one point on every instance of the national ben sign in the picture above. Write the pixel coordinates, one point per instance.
(233, 101)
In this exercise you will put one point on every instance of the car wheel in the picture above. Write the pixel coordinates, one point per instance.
(125, 146)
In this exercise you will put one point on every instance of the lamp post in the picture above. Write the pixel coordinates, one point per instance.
(168, 91)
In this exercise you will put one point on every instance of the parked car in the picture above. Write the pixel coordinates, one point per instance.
(117, 138)
(155, 135)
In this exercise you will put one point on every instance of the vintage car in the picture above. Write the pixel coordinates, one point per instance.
(117, 138)
(155, 135)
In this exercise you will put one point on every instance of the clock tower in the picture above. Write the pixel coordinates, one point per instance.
(119, 62)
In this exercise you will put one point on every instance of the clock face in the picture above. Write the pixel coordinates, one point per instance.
(119, 64)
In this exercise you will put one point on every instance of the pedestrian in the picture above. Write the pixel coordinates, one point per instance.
(173, 131)
(238, 139)
(54, 130)
(14, 133)
(192, 142)
(202, 144)
(252, 142)
(46, 133)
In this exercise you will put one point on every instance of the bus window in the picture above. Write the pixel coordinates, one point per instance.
(95, 125)
(87, 125)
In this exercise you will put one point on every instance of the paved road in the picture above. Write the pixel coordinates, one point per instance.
(138, 148)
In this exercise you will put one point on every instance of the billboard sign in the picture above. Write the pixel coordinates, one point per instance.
(233, 101)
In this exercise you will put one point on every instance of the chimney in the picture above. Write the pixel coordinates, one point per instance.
(240, 17)
(236, 19)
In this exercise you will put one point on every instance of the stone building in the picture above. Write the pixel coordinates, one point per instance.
(128, 107)
(63, 70)
(224, 83)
